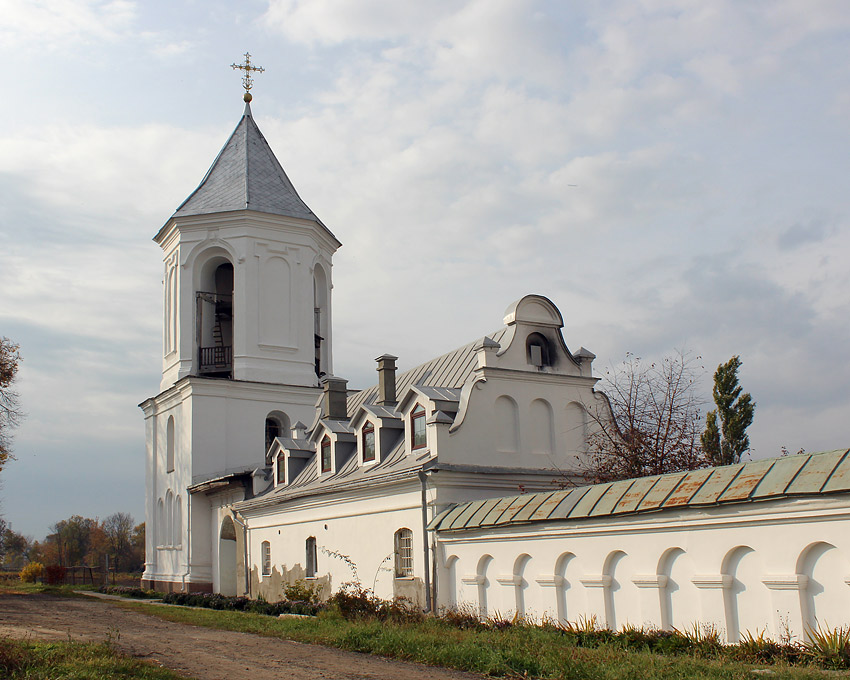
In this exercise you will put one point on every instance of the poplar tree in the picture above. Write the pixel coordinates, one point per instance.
(725, 438)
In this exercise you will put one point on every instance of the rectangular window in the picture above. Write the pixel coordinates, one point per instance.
(326, 454)
(281, 469)
(311, 558)
(417, 428)
(404, 553)
(267, 558)
(368, 443)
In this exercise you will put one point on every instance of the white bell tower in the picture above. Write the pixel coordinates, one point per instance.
(246, 340)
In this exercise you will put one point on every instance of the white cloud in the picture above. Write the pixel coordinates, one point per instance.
(55, 24)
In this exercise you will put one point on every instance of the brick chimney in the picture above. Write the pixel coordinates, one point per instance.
(334, 398)
(386, 380)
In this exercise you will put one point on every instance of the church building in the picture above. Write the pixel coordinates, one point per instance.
(456, 482)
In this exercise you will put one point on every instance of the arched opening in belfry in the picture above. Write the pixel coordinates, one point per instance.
(227, 558)
(320, 320)
(214, 316)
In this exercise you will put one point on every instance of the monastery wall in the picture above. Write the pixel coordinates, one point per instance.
(781, 566)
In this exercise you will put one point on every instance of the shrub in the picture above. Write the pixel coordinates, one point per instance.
(54, 574)
(830, 647)
(32, 572)
(130, 591)
(301, 591)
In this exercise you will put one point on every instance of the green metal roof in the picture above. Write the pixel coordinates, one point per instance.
(802, 475)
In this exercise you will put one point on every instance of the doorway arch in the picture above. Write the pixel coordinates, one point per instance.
(227, 558)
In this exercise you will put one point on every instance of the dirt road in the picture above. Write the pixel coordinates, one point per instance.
(200, 653)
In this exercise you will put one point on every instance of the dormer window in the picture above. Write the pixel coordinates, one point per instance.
(417, 427)
(281, 469)
(368, 439)
(326, 454)
(537, 347)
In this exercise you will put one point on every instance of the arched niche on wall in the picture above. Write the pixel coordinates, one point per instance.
(541, 427)
(506, 422)
(825, 597)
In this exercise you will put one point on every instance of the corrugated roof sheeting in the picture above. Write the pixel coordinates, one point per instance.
(805, 474)
(450, 370)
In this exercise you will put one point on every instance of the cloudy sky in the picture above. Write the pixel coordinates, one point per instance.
(672, 174)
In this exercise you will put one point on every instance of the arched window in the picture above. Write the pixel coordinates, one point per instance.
(177, 532)
(417, 427)
(169, 445)
(403, 553)
(320, 320)
(160, 522)
(368, 439)
(538, 350)
(169, 519)
(326, 454)
(277, 425)
(214, 316)
(267, 558)
(311, 558)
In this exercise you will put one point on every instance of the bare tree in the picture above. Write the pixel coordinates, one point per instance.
(10, 411)
(118, 528)
(650, 422)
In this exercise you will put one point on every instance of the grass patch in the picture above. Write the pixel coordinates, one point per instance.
(516, 651)
(31, 660)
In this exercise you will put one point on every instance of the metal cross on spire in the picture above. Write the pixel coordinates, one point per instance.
(247, 80)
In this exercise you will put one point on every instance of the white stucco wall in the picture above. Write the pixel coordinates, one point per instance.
(359, 525)
(780, 566)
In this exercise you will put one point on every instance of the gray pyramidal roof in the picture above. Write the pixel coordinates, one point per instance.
(246, 176)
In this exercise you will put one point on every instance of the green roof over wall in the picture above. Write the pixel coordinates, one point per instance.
(758, 480)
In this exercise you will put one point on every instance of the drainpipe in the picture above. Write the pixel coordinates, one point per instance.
(187, 548)
(423, 479)
(244, 548)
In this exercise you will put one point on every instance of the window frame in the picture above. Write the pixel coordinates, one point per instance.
(368, 429)
(325, 454)
(403, 553)
(266, 552)
(417, 414)
(312, 563)
(281, 469)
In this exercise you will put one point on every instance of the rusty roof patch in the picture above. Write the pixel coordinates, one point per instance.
(565, 507)
(840, 479)
(481, 513)
(813, 476)
(497, 510)
(519, 503)
(606, 504)
(538, 500)
(716, 484)
(742, 486)
(632, 498)
(589, 500)
(659, 492)
(544, 511)
(461, 520)
(779, 477)
(687, 488)
(448, 520)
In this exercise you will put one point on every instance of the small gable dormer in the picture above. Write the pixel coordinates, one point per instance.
(287, 457)
(427, 412)
(334, 444)
(378, 430)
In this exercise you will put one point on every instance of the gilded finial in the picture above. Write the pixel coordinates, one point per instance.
(247, 80)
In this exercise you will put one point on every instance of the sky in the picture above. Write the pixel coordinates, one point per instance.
(673, 174)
